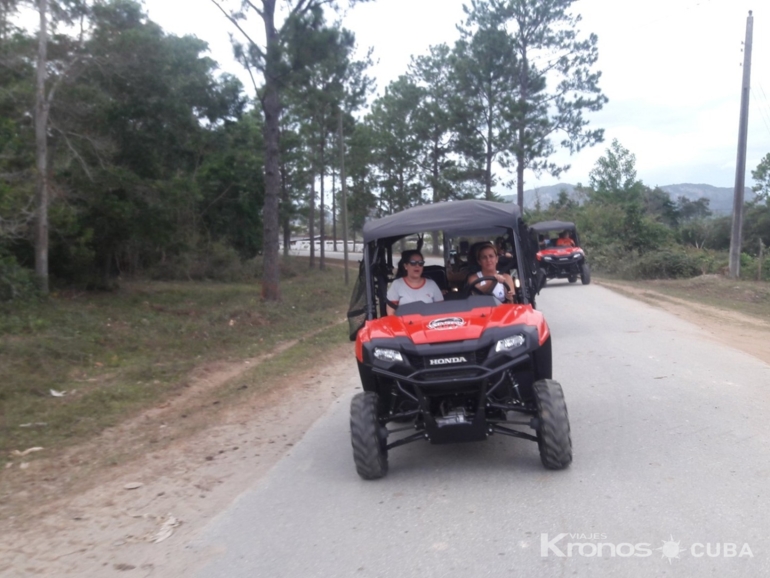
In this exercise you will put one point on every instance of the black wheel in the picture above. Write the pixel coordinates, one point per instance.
(585, 274)
(572, 278)
(370, 452)
(553, 435)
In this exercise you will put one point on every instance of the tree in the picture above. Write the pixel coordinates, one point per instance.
(317, 94)
(267, 58)
(396, 146)
(50, 14)
(692, 210)
(17, 142)
(145, 151)
(484, 64)
(761, 176)
(433, 124)
(433, 120)
(556, 84)
(614, 173)
(614, 187)
(362, 201)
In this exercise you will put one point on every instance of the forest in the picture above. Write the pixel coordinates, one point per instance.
(125, 152)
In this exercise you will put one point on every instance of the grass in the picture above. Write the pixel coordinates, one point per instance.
(115, 354)
(744, 296)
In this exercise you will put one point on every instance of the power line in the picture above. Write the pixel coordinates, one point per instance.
(762, 110)
(762, 106)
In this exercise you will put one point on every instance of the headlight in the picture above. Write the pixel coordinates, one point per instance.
(548, 258)
(509, 343)
(388, 354)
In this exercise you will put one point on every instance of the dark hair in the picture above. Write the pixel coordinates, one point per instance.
(406, 256)
(481, 247)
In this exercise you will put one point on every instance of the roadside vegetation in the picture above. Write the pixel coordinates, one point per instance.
(750, 298)
(158, 205)
(632, 231)
(79, 362)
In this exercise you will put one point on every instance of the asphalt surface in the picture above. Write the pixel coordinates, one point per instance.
(671, 442)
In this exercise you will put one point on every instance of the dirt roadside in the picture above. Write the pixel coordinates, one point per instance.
(134, 519)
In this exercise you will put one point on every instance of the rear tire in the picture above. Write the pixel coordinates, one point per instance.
(370, 452)
(585, 274)
(572, 278)
(553, 433)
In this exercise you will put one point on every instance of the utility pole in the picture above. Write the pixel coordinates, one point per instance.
(344, 199)
(740, 168)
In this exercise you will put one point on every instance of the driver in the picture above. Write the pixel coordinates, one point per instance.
(565, 240)
(486, 257)
(410, 285)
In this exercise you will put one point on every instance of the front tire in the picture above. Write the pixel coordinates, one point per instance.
(585, 274)
(553, 433)
(572, 278)
(370, 452)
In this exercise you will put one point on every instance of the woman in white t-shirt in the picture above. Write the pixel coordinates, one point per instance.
(410, 286)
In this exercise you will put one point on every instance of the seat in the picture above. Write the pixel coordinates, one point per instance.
(437, 273)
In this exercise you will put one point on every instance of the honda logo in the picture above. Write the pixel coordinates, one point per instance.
(448, 360)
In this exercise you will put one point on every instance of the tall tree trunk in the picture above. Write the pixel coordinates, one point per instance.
(334, 209)
(311, 223)
(520, 174)
(271, 106)
(524, 95)
(41, 142)
(436, 194)
(285, 221)
(488, 166)
(322, 208)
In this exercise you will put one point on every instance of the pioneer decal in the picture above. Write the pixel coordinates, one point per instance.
(446, 323)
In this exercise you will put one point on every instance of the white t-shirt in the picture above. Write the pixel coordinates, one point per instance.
(402, 293)
(498, 290)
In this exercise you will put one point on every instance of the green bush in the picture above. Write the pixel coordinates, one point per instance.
(216, 262)
(666, 264)
(751, 269)
(16, 282)
(611, 259)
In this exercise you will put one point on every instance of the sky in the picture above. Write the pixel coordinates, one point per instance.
(671, 69)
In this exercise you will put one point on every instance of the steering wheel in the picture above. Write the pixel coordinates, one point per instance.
(474, 290)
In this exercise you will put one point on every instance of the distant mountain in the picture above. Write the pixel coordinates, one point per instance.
(720, 198)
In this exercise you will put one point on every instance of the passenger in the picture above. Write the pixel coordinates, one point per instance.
(410, 286)
(564, 240)
(500, 246)
(487, 258)
(542, 242)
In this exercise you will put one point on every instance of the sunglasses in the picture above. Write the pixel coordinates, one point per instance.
(416, 263)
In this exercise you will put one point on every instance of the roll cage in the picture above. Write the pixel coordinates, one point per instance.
(453, 220)
(545, 227)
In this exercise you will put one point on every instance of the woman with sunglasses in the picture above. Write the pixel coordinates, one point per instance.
(410, 286)
(486, 257)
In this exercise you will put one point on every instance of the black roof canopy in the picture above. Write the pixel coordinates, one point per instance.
(545, 226)
(456, 218)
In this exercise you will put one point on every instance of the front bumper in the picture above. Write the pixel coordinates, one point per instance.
(563, 267)
(454, 364)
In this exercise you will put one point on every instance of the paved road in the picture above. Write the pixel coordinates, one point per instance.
(670, 475)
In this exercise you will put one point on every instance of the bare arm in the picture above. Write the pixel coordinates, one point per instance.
(511, 287)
